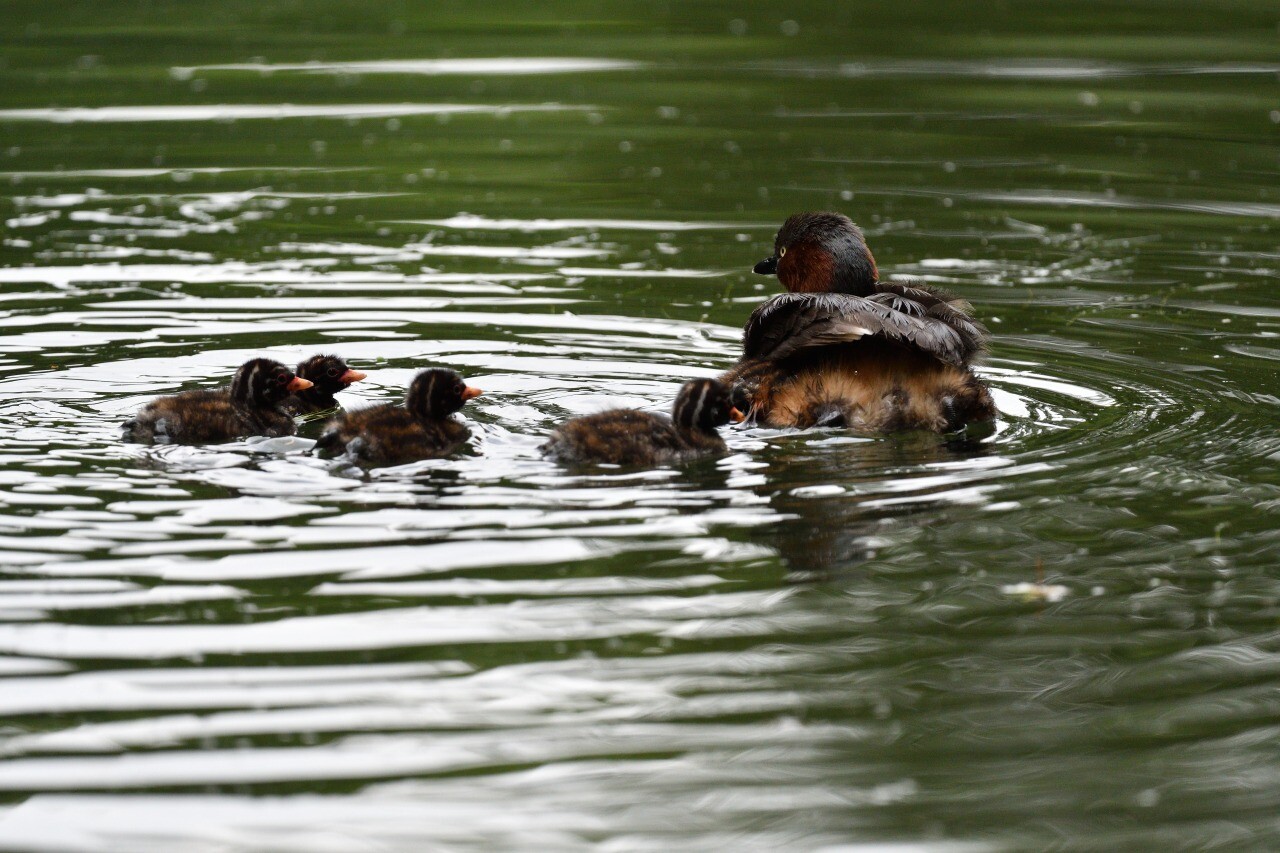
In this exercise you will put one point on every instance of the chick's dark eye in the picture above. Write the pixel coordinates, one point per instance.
(459, 388)
(282, 379)
(333, 371)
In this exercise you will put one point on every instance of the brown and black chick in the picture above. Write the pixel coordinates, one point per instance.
(631, 437)
(328, 375)
(842, 348)
(211, 415)
(394, 435)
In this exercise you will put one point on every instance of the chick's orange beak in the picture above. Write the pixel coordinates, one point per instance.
(469, 392)
(351, 376)
(736, 415)
(299, 384)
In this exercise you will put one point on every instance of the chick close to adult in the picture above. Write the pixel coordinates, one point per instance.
(390, 434)
(843, 348)
(630, 437)
(328, 375)
(251, 406)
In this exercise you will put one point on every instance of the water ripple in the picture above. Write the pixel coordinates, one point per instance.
(1061, 635)
(513, 65)
(249, 112)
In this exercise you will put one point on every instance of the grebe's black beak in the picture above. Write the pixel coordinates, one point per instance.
(769, 266)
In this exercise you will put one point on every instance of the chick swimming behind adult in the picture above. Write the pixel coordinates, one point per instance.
(631, 437)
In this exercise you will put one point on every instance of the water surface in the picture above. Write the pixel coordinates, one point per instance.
(1064, 636)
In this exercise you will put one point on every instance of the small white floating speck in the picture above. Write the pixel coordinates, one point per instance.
(1036, 591)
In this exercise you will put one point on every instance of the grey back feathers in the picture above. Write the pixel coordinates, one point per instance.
(925, 318)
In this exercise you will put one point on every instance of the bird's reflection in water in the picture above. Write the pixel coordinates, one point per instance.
(827, 490)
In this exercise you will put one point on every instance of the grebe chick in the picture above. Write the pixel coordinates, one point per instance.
(389, 434)
(212, 415)
(328, 375)
(631, 437)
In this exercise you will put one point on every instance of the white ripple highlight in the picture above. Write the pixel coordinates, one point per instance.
(386, 756)
(236, 112)
(467, 220)
(502, 65)
(729, 614)
(176, 171)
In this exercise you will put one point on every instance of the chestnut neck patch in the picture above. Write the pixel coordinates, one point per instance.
(807, 268)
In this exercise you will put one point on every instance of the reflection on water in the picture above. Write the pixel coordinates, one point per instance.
(1060, 635)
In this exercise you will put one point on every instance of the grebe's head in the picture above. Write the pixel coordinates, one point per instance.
(329, 373)
(821, 253)
(703, 404)
(437, 393)
(263, 382)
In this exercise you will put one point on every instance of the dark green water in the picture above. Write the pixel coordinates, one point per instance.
(817, 641)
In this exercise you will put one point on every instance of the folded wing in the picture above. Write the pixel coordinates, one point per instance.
(926, 318)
